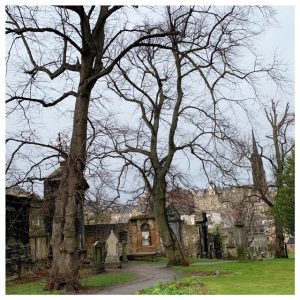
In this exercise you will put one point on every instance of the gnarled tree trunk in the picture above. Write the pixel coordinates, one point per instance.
(67, 219)
(172, 246)
(64, 241)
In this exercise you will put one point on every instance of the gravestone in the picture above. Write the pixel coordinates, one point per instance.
(99, 257)
(112, 256)
(241, 240)
(231, 246)
(174, 221)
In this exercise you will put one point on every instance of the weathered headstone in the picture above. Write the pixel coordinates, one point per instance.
(174, 221)
(99, 257)
(241, 241)
(251, 253)
(112, 255)
(231, 252)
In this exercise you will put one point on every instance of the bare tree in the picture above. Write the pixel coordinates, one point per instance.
(180, 90)
(57, 42)
(281, 147)
(200, 44)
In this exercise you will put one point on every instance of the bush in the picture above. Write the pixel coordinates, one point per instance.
(185, 286)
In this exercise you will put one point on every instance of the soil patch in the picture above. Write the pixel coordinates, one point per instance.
(28, 278)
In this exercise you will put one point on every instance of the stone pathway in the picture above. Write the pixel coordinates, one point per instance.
(147, 275)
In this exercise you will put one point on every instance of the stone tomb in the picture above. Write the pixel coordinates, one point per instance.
(99, 257)
(112, 254)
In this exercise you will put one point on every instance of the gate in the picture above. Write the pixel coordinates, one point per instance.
(215, 247)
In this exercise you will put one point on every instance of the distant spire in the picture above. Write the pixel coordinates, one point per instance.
(254, 146)
(258, 171)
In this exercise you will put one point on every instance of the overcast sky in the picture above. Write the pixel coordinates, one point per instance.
(279, 38)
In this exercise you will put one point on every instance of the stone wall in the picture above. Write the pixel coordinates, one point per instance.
(39, 237)
(100, 232)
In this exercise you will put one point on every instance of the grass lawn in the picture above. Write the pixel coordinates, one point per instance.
(29, 288)
(101, 280)
(269, 277)
(164, 260)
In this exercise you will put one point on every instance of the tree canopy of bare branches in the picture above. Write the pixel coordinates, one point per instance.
(182, 72)
(180, 91)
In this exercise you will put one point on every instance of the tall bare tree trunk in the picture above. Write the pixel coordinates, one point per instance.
(171, 244)
(279, 241)
(65, 269)
(260, 184)
(67, 219)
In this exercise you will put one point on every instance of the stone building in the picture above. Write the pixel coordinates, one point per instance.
(17, 217)
(207, 224)
(143, 237)
(139, 235)
(100, 233)
(235, 212)
(39, 236)
(26, 237)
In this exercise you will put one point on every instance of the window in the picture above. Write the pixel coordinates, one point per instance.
(146, 236)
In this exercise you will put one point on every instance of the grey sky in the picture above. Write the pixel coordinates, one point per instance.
(280, 38)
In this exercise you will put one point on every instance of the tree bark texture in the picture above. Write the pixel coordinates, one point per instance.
(279, 241)
(172, 246)
(67, 219)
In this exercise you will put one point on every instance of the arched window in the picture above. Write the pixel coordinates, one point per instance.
(146, 236)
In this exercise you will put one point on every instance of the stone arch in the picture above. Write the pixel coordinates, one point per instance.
(146, 234)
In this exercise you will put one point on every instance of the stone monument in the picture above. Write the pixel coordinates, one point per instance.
(112, 256)
(99, 257)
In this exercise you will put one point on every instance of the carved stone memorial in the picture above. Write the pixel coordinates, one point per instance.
(112, 256)
(99, 257)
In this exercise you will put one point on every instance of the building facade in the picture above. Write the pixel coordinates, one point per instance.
(207, 223)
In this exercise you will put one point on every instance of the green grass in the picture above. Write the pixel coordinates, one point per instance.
(202, 260)
(30, 288)
(269, 277)
(159, 260)
(291, 253)
(164, 260)
(101, 280)
(107, 279)
(185, 286)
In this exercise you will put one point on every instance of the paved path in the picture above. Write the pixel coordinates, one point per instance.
(147, 275)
